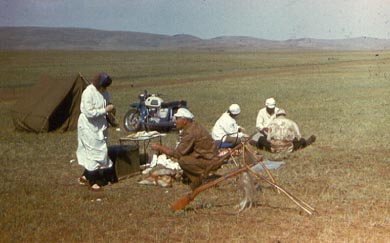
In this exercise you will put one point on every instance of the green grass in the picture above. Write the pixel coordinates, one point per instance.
(341, 97)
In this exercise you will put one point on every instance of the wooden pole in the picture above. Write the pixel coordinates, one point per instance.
(260, 161)
(306, 207)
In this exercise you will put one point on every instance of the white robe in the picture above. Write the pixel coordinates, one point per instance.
(92, 131)
(264, 119)
(225, 125)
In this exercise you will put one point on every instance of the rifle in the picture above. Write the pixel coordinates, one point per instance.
(218, 164)
(182, 202)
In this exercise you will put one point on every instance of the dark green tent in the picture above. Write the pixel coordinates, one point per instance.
(50, 106)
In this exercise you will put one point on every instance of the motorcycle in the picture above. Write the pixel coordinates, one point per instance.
(151, 113)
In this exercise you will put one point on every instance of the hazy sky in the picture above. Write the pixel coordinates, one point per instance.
(268, 19)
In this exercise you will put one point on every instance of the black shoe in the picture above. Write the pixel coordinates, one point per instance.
(311, 140)
(186, 180)
(253, 143)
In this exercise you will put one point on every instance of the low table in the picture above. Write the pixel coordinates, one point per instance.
(144, 140)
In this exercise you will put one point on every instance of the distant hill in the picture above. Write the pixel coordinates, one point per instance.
(43, 38)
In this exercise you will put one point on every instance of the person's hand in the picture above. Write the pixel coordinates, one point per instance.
(241, 129)
(265, 129)
(109, 108)
(244, 137)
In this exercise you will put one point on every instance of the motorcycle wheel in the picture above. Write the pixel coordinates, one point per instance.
(131, 121)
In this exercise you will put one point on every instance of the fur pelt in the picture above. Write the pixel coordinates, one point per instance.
(247, 187)
(159, 176)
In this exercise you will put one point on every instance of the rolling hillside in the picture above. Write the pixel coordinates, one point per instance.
(41, 38)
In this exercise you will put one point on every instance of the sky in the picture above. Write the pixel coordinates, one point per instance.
(266, 19)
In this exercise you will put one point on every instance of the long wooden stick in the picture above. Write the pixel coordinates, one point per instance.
(307, 208)
(260, 161)
(225, 156)
(183, 201)
(274, 181)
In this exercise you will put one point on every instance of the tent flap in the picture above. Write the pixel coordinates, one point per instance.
(50, 106)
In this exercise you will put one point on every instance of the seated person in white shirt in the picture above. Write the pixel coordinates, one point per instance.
(264, 118)
(226, 132)
(266, 115)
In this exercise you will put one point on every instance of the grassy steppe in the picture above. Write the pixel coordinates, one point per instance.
(341, 97)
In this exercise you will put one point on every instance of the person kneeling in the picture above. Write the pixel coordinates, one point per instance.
(196, 151)
(284, 135)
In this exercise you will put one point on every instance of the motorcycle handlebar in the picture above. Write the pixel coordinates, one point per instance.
(147, 94)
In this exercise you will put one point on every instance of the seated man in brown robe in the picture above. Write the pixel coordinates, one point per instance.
(196, 150)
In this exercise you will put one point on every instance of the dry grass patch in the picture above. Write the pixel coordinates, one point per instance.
(339, 96)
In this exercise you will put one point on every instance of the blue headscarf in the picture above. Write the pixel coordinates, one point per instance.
(103, 80)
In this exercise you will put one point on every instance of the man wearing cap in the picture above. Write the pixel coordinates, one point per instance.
(196, 150)
(264, 117)
(226, 132)
(284, 136)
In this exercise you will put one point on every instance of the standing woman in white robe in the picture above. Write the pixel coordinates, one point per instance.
(92, 151)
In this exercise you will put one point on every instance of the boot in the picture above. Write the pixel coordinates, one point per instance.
(310, 140)
(253, 143)
(195, 183)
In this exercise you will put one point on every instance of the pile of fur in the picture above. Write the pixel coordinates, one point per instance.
(160, 176)
(248, 189)
(161, 171)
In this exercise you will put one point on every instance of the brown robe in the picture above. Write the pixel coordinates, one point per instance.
(195, 152)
